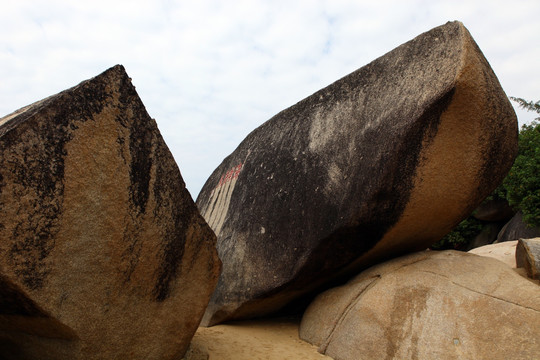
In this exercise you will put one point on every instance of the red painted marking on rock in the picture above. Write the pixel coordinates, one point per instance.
(230, 175)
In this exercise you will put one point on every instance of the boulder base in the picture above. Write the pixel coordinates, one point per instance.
(103, 254)
(430, 305)
(385, 161)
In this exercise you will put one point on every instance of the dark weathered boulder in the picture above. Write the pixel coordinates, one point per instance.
(384, 161)
(103, 253)
(429, 305)
(487, 235)
(494, 211)
(528, 257)
(517, 229)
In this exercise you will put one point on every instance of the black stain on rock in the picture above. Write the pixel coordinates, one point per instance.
(175, 207)
(32, 151)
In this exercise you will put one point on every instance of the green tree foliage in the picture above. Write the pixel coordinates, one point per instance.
(522, 184)
(528, 105)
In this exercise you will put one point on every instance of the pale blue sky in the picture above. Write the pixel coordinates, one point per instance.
(211, 71)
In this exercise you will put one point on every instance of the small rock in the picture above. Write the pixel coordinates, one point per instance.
(528, 256)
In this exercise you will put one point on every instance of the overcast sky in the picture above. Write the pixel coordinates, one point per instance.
(211, 71)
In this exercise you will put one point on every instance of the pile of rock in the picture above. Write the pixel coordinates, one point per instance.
(104, 255)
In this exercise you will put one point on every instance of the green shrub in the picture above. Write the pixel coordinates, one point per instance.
(522, 184)
(461, 236)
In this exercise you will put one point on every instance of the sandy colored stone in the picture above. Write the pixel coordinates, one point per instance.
(505, 252)
(384, 161)
(528, 257)
(270, 339)
(103, 254)
(429, 305)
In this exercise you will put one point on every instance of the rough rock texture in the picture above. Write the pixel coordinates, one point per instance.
(516, 229)
(528, 257)
(103, 254)
(505, 252)
(384, 161)
(494, 211)
(430, 305)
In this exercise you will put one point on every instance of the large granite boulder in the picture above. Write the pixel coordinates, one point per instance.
(385, 161)
(103, 253)
(429, 305)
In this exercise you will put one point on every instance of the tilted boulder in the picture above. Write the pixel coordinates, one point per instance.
(429, 305)
(385, 161)
(103, 253)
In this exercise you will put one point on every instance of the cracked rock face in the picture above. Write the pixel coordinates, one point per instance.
(385, 161)
(103, 253)
(429, 305)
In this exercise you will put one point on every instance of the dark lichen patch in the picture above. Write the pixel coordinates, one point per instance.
(168, 271)
(140, 147)
(36, 172)
(141, 139)
(32, 153)
(174, 204)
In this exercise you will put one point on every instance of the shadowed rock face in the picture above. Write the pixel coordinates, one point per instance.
(384, 161)
(101, 246)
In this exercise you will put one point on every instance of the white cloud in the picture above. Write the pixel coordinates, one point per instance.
(211, 71)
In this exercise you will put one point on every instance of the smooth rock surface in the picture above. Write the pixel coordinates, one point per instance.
(429, 305)
(103, 253)
(516, 229)
(528, 257)
(505, 252)
(385, 161)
